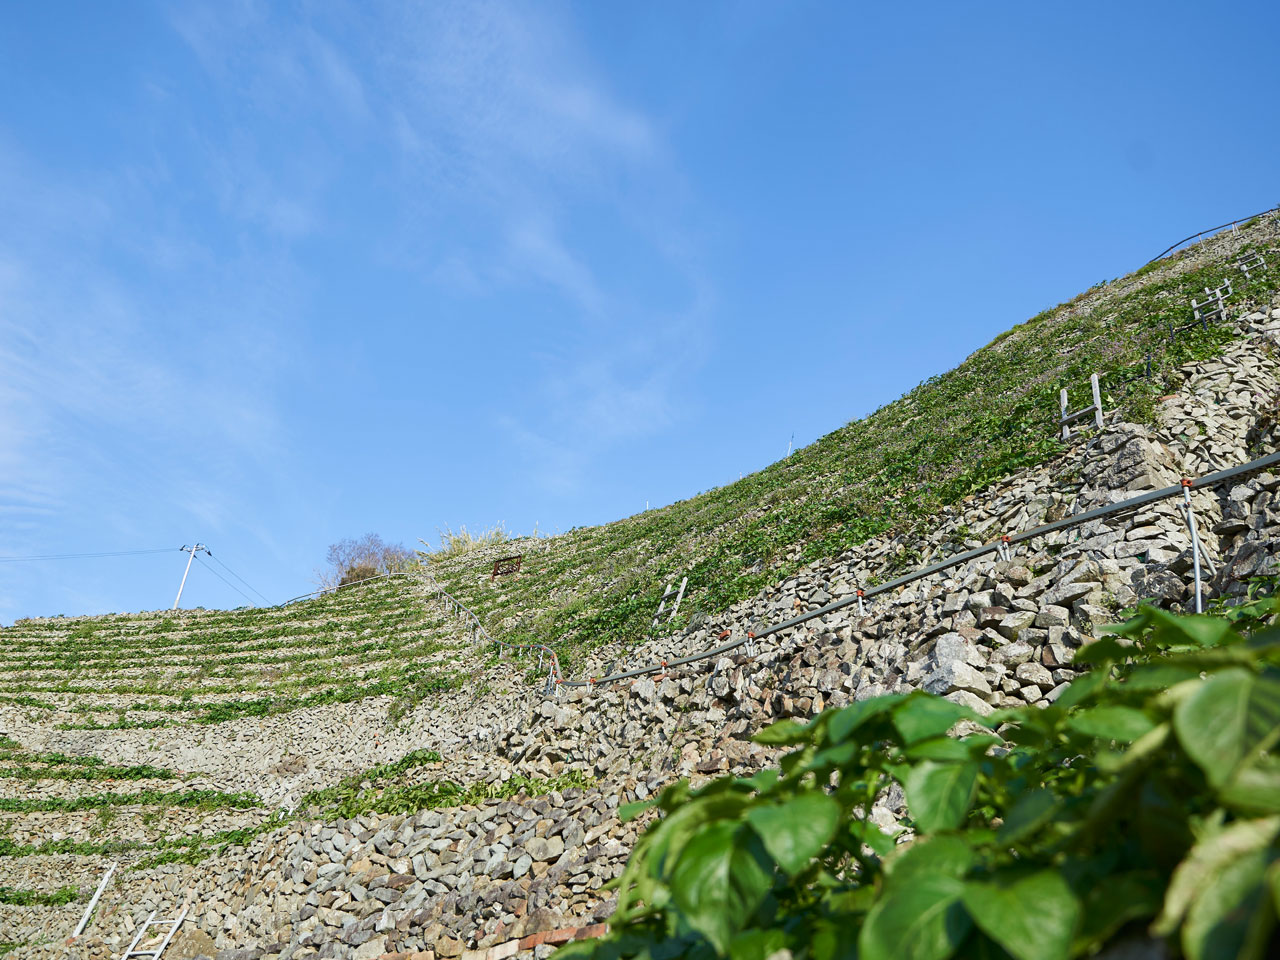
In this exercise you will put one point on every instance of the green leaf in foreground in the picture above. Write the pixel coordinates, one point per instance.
(1232, 917)
(1113, 901)
(796, 831)
(1113, 722)
(848, 719)
(629, 811)
(1208, 861)
(939, 794)
(1034, 917)
(784, 733)
(720, 879)
(922, 920)
(920, 717)
(944, 856)
(1032, 810)
(1231, 715)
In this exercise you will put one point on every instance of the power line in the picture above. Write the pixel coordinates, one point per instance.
(238, 577)
(225, 580)
(87, 556)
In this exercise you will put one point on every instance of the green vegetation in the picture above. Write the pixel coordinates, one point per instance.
(409, 684)
(35, 898)
(891, 472)
(191, 799)
(372, 790)
(1145, 799)
(144, 772)
(364, 793)
(378, 639)
(445, 793)
(60, 766)
(66, 845)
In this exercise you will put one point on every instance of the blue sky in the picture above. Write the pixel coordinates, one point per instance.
(276, 274)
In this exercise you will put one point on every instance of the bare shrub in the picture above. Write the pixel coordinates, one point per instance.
(350, 560)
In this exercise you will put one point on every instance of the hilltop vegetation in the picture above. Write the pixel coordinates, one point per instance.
(892, 471)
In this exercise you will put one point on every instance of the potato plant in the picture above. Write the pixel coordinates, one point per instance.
(1144, 802)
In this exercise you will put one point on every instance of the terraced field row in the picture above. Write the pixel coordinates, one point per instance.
(152, 670)
(64, 819)
(75, 815)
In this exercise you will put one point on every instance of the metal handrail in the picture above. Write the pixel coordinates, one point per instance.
(324, 590)
(1125, 506)
(554, 675)
(1223, 226)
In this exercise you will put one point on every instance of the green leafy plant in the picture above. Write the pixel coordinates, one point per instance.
(36, 898)
(190, 799)
(1145, 801)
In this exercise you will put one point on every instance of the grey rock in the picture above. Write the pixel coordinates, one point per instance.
(545, 848)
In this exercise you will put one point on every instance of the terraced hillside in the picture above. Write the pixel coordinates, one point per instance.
(155, 670)
(890, 472)
(353, 776)
(159, 738)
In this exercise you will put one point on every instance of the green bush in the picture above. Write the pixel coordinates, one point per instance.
(1144, 801)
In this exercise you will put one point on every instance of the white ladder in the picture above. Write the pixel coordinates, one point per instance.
(1213, 306)
(151, 921)
(1253, 261)
(88, 911)
(1094, 409)
(670, 592)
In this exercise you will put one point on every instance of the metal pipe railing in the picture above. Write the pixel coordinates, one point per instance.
(555, 678)
(1223, 226)
(1111, 510)
(545, 653)
(335, 589)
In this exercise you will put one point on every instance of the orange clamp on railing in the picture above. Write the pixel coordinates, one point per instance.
(1188, 482)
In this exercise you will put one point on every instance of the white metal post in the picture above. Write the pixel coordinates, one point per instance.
(1195, 541)
(192, 551)
(93, 902)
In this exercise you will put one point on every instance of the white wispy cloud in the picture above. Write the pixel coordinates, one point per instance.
(498, 106)
(108, 389)
(533, 249)
(506, 150)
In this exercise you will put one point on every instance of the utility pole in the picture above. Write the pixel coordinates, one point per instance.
(192, 551)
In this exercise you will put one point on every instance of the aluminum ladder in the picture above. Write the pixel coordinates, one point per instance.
(670, 592)
(151, 921)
